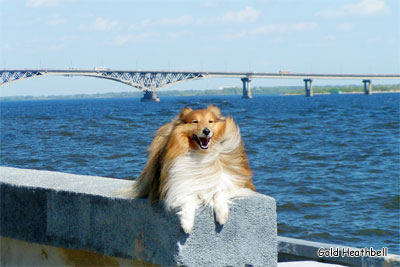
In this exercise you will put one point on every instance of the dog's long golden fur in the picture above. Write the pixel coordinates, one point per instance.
(199, 156)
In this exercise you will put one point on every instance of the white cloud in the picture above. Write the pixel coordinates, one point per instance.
(56, 19)
(283, 28)
(179, 34)
(57, 47)
(45, 3)
(142, 24)
(210, 3)
(361, 8)
(272, 29)
(183, 20)
(303, 26)
(330, 38)
(131, 38)
(42, 3)
(123, 39)
(345, 27)
(249, 14)
(100, 24)
(236, 35)
(368, 7)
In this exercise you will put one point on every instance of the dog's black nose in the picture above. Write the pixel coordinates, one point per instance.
(206, 131)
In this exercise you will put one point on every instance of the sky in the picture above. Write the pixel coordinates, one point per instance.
(315, 36)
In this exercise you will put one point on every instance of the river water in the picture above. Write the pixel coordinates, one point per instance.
(330, 161)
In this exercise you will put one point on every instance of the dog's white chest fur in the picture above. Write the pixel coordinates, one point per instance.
(200, 179)
(197, 177)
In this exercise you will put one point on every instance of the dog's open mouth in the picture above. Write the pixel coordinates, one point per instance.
(202, 141)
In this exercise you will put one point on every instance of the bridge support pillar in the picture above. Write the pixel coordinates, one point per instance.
(246, 88)
(367, 87)
(308, 87)
(150, 96)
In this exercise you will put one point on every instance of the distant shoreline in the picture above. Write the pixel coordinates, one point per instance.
(347, 93)
(278, 90)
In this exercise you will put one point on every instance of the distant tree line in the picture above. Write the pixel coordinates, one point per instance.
(273, 90)
(329, 89)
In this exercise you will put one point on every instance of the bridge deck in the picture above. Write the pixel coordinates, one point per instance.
(216, 74)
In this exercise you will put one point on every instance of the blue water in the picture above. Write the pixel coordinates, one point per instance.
(331, 162)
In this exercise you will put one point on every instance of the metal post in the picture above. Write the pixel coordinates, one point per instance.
(246, 88)
(308, 88)
(150, 96)
(367, 87)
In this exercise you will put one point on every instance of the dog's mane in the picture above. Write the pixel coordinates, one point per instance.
(229, 147)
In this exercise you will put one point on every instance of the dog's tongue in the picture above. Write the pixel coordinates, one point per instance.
(203, 141)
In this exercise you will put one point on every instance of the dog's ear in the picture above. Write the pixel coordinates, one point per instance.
(215, 110)
(184, 113)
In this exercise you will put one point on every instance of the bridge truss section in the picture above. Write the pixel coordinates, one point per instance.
(10, 76)
(145, 81)
(150, 81)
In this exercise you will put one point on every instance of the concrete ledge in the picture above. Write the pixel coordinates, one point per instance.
(84, 214)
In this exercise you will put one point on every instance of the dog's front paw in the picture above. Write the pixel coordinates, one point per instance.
(187, 225)
(186, 216)
(221, 214)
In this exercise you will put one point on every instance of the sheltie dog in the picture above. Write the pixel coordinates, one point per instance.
(196, 159)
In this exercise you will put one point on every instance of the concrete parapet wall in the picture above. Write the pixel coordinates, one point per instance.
(84, 219)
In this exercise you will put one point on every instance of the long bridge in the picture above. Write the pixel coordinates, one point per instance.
(151, 81)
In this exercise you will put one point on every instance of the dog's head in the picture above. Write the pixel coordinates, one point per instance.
(202, 126)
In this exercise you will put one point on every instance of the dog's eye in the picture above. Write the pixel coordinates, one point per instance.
(211, 121)
(195, 121)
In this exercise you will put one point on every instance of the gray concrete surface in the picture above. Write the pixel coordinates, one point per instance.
(84, 213)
